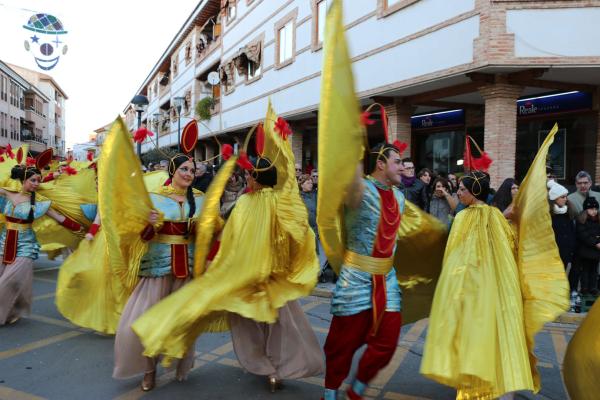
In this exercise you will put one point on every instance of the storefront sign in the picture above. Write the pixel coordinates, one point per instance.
(557, 155)
(438, 120)
(564, 102)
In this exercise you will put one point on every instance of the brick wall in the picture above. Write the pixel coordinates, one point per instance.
(399, 125)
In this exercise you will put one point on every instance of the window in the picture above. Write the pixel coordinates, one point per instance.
(285, 40)
(387, 7)
(231, 9)
(321, 17)
(254, 70)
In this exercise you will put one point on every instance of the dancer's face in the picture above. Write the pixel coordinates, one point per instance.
(184, 175)
(32, 183)
(464, 195)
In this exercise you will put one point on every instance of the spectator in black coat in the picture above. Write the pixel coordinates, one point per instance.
(562, 224)
(413, 188)
(588, 246)
(203, 178)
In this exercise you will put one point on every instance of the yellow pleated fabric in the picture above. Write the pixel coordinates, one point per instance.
(124, 205)
(341, 136)
(499, 285)
(418, 260)
(267, 258)
(581, 367)
(544, 284)
(85, 292)
(210, 219)
(476, 337)
(155, 179)
(83, 183)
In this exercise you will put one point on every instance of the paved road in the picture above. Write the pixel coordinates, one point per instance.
(45, 357)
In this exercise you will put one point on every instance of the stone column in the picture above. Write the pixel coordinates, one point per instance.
(297, 141)
(399, 125)
(500, 131)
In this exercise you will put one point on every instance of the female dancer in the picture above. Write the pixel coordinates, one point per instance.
(18, 241)
(164, 268)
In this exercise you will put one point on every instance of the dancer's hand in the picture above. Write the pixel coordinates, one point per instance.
(89, 236)
(153, 218)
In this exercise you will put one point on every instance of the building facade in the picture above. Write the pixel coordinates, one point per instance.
(23, 112)
(55, 136)
(502, 71)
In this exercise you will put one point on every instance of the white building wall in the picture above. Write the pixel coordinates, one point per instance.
(564, 32)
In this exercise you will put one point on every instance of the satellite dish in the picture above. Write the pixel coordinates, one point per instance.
(213, 78)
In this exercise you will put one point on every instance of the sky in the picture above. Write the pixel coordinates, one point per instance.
(112, 47)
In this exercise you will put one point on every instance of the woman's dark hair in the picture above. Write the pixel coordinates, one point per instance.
(267, 175)
(503, 196)
(173, 165)
(478, 184)
(23, 173)
(381, 152)
(425, 171)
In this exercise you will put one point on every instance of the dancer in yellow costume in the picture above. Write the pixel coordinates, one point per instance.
(497, 289)
(266, 259)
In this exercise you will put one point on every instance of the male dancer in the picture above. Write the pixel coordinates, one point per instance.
(366, 300)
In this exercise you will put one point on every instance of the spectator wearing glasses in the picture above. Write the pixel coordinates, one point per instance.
(298, 171)
(583, 182)
(414, 189)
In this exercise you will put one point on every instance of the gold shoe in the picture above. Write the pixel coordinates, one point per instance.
(274, 384)
(13, 320)
(149, 381)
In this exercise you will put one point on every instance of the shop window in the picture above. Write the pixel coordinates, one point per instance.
(387, 7)
(285, 34)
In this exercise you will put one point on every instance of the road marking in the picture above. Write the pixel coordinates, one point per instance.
(412, 336)
(311, 305)
(161, 380)
(208, 357)
(39, 344)
(560, 347)
(44, 296)
(229, 362)
(398, 396)
(52, 321)
(12, 394)
(37, 278)
(222, 350)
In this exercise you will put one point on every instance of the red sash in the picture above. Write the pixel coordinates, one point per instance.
(11, 240)
(389, 222)
(179, 251)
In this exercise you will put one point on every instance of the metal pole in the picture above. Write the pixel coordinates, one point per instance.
(139, 145)
(178, 129)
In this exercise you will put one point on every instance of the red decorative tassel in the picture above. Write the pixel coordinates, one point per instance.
(283, 128)
(365, 119)
(243, 161)
(30, 161)
(69, 170)
(401, 146)
(141, 134)
(9, 151)
(90, 156)
(260, 140)
(226, 151)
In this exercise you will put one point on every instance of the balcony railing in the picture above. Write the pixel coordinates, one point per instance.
(30, 137)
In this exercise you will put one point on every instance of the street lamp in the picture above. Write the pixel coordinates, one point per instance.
(178, 103)
(140, 102)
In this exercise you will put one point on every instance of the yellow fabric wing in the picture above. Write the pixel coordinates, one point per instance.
(124, 204)
(418, 260)
(544, 284)
(340, 138)
(87, 293)
(208, 222)
(155, 179)
(581, 368)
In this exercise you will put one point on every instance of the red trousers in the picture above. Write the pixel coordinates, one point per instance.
(347, 334)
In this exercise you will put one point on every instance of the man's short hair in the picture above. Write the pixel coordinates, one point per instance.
(407, 159)
(583, 174)
(381, 152)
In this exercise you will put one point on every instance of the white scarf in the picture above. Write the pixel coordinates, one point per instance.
(559, 210)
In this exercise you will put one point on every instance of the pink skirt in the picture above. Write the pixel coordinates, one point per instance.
(129, 359)
(16, 289)
(287, 349)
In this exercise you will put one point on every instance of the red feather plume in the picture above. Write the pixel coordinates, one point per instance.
(244, 162)
(401, 146)
(9, 151)
(365, 119)
(259, 141)
(283, 128)
(69, 170)
(141, 134)
(226, 151)
(30, 161)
